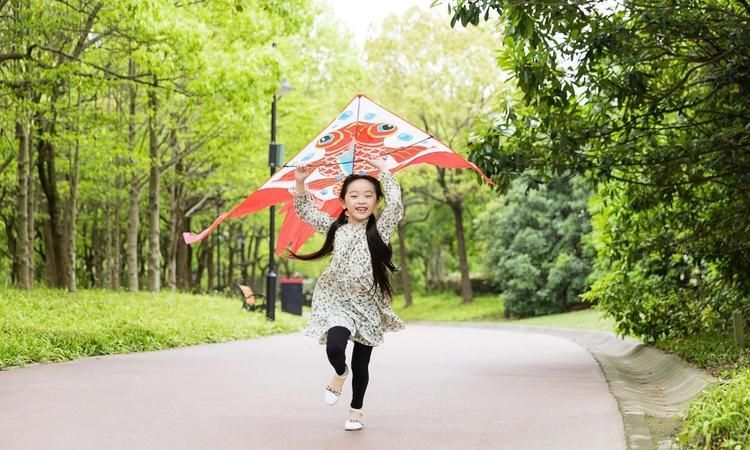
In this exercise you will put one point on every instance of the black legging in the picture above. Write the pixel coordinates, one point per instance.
(336, 350)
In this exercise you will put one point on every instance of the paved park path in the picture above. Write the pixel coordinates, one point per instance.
(431, 387)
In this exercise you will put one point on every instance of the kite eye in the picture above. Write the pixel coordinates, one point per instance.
(381, 130)
(326, 139)
(331, 139)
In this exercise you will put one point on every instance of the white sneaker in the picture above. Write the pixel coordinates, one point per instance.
(354, 422)
(333, 390)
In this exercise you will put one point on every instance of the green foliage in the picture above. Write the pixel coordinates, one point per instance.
(650, 288)
(651, 102)
(720, 417)
(212, 70)
(47, 325)
(715, 352)
(535, 252)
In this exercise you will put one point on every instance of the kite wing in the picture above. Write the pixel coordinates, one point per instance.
(364, 130)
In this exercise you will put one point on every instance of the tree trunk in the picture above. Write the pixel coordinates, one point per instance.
(89, 263)
(117, 257)
(134, 211)
(232, 249)
(107, 270)
(434, 273)
(10, 235)
(154, 250)
(244, 253)
(115, 269)
(210, 267)
(23, 241)
(46, 167)
(30, 209)
(463, 262)
(174, 217)
(258, 237)
(454, 200)
(203, 261)
(403, 262)
(183, 258)
(70, 218)
(50, 266)
(100, 250)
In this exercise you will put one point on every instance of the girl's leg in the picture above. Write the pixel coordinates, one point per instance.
(336, 348)
(360, 373)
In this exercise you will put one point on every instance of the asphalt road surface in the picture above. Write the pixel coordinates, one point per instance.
(431, 387)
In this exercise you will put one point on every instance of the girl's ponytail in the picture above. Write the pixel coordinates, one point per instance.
(381, 254)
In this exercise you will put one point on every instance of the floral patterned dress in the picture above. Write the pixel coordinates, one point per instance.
(343, 295)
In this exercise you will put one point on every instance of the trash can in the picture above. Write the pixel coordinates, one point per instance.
(291, 295)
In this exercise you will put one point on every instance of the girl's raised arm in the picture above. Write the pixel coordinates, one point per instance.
(304, 204)
(394, 209)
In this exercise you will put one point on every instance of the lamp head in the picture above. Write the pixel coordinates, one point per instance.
(284, 88)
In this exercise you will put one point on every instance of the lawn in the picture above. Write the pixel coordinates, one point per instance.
(45, 325)
(447, 307)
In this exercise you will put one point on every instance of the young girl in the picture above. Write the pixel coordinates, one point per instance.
(351, 300)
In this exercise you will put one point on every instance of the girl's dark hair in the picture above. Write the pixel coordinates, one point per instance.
(380, 252)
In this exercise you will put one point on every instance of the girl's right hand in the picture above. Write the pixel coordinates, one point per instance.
(302, 172)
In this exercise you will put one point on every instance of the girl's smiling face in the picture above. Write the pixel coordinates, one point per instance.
(360, 200)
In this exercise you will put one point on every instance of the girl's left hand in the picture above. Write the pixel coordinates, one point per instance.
(379, 163)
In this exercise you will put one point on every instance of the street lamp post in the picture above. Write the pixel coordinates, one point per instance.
(275, 157)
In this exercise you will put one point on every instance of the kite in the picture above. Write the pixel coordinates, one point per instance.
(364, 130)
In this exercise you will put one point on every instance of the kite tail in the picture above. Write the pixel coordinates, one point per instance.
(294, 231)
(258, 200)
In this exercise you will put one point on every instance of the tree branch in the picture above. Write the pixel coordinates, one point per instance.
(82, 39)
(17, 56)
(111, 74)
(7, 162)
(197, 206)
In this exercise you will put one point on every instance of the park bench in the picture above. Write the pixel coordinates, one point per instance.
(250, 300)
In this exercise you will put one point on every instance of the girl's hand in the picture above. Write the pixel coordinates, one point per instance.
(302, 172)
(379, 163)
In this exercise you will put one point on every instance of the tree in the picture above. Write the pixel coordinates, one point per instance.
(122, 89)
(418, 64)
(651, 100)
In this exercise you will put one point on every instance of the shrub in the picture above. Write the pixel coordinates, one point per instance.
(535, 253)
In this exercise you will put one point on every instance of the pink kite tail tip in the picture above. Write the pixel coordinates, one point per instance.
(190, 238)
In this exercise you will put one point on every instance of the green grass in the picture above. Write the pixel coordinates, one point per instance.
(447, 307)
(588, 319)
(714, 352)
(719, 417)
(46, 325)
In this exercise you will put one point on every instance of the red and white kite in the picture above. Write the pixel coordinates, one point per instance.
(364, 130)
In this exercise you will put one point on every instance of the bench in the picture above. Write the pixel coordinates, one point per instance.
(250, 300)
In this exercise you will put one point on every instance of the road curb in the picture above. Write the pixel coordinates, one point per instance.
(653, 389)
